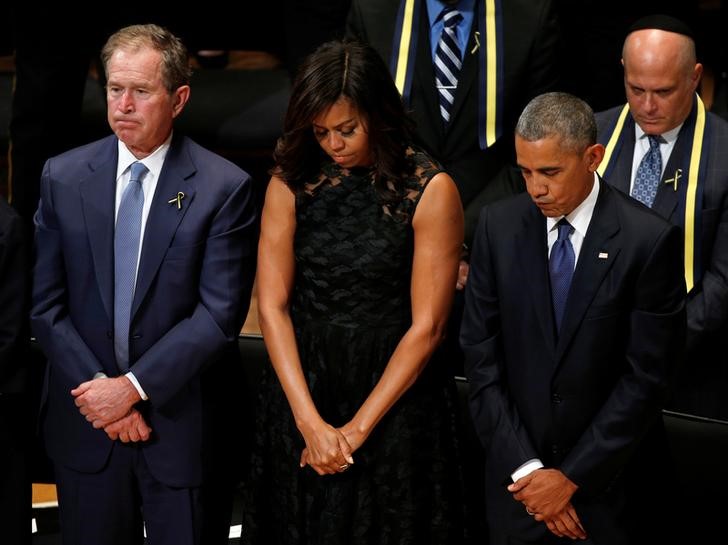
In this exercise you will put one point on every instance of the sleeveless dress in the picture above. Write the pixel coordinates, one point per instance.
(350, 308)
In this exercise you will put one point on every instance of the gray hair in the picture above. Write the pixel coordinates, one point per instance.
(558, 114)
(175, 66)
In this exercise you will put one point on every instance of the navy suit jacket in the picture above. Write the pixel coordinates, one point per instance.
(192, 293)
(583, 401)
(703, 380)
(528, 40)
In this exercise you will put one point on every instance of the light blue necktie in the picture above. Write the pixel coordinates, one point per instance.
(649, 173)
(561, 269)
(126, 252)
(447, 62)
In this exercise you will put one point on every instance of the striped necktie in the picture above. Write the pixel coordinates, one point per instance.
(447, 62)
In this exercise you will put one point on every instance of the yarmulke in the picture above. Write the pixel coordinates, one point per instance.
(662, 22)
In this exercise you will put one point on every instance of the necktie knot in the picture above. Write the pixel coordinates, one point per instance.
(565, 229)
(451, 18)
(137, 172)
(655, 141)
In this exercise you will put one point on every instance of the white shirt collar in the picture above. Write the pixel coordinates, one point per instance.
(669, 136)
(154, 161)
(580, 217)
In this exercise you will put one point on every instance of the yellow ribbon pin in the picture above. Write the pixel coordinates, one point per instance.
(674, 179)
(177, 199)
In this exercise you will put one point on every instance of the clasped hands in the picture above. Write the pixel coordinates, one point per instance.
(108, 404)
(546, 494)
(329, 450)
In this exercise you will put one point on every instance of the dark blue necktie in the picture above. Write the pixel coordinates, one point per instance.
(447, 62)
(649, 173)
(561, 269)
(126, 252)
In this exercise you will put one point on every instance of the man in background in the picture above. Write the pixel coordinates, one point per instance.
(667, 151)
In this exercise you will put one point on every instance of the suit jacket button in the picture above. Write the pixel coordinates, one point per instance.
(555, 449)
(555, 398)
(135, 337)
(109, 335)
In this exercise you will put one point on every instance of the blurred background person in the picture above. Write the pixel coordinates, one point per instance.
(16, 417)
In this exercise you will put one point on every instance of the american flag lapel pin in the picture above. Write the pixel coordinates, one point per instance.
(603, 255)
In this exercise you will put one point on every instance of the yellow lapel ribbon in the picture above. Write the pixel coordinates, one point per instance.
(696, 152)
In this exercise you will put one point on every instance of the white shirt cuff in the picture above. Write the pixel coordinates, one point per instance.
(526, 468)
(136, 385)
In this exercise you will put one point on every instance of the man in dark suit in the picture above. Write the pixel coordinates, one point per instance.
(571, 330)
(661, 76)
(144, 266)
(522, 42)
(15, 426)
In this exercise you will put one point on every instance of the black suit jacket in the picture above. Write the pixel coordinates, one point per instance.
(582, 402)
(703, 378)
(14, 302)
(529, 41)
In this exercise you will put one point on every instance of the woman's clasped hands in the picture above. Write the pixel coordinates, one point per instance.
(327, 451)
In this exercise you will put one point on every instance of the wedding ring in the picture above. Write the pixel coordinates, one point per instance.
(343, 467)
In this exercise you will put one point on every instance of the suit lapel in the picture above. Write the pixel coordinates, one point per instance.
(598, 252)
(98, 196)
(425, 78)
(164, 218)
(533, 251)
(466, 79)
(621, 175)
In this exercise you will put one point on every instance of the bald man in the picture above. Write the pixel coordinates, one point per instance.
(665, 150)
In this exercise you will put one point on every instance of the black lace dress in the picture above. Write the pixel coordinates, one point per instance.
(350, 308)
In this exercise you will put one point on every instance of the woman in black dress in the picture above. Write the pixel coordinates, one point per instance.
(357, 265)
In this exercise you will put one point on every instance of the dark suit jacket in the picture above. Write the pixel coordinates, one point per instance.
(14, 299)
(703, 378)
(581, 403)
(529, 39)
(16, 421)
(192, 294)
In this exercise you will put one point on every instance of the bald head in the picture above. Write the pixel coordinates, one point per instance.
(661, 76)
(659, 46)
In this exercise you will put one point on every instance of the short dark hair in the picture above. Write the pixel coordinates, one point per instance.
(353, 70)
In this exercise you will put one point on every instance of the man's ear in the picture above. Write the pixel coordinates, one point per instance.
(180, 98)
(594, 155)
